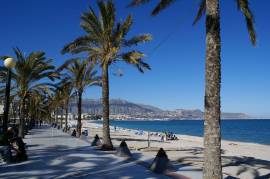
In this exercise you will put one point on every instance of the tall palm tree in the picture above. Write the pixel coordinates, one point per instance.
(59, 101)
(27, 76)
(35, 107)
(82, 75)
(66, 90)
(38, 104)
(54, 102)
(105, 43)
(212, 139)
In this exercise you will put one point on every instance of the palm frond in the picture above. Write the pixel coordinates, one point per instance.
(81, 41)
(201, 11)
(81, 73)
(67, 63)
(138, 39)
(243, 6)
(138, 2)
(135, 58)
(107, 11)
(125, 27)
(90, 23)
(162, 5)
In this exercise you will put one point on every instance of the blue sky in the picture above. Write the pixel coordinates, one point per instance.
(176, 53)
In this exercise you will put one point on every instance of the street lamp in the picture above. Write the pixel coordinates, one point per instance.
(9, 63)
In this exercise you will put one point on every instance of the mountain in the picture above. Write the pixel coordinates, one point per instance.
(117, 106)
(129, 110)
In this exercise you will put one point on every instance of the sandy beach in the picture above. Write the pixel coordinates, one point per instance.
(239, 159)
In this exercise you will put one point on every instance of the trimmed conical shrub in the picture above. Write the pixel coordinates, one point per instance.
(160, 163)
(123, 150)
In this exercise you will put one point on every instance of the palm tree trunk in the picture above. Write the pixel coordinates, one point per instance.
(66, 117)
(22, 120)
(57, 119)
(54, 116)
(79, 121)
(107, 143)
(62, 117)
(50, 118)
(212, 139)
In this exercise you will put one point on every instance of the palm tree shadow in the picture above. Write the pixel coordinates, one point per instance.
(246, 164)
(63, 161)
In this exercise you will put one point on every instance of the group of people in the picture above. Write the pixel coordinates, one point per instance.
(84, 132)
(14, 148)
(168, 136)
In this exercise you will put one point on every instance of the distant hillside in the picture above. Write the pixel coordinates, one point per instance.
(133, 110)
(117, 106)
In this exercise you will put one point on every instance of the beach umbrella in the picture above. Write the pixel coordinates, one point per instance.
(123, 150)
(160, 163)
(96, 141)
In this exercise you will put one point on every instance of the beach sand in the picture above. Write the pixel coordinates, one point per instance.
(239, 159)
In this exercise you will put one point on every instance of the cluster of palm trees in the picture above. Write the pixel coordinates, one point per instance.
(105, 43)
(28, 85)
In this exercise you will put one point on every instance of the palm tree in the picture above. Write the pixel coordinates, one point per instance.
(54, 101)
(35, 107)
(66, 90)
(38, 105)
(105, 43)
(81, 75)
(27, 76)
(212, 138)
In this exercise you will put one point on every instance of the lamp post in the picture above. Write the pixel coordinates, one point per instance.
(9, 63)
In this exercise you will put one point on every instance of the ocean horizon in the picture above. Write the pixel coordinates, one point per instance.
(244, 130)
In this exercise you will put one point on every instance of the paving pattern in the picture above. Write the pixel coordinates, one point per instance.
(54, 154)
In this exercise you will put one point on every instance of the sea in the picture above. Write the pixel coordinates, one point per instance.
(253, 131)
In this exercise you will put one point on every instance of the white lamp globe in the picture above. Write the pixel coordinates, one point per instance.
(9, 63)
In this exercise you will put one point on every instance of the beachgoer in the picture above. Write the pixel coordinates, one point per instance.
(10, 134)
(74, 133)
(162, 138)
(18, 146)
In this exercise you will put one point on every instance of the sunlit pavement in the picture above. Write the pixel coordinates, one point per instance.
(54, 154)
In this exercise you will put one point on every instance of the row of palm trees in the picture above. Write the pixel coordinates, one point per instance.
(79, 74)
(27, 85)
(105, 43)
(38, 98)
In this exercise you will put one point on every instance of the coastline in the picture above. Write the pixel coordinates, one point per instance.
(184, 137)
(181, 119)
(188, 150)
(227, 135)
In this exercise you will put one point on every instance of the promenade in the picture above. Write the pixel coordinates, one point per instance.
(54, 154)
